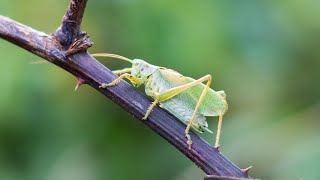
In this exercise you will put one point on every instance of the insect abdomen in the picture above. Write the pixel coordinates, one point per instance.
(184, 113)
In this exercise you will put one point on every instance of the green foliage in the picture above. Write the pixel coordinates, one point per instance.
(264, 54)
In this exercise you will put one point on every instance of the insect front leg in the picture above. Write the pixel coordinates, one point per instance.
(122, 71)
(125, 75)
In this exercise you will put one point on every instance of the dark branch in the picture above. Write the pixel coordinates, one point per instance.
(71, 23)
(90, 71)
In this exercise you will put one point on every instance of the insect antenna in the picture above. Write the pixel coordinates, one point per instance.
(112, 56)
(38, 62)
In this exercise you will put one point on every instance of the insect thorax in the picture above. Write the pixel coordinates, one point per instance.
(142, 70)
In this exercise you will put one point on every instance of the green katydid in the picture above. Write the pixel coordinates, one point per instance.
(188, 99)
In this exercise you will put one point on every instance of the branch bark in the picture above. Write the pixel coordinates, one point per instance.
(89, 71)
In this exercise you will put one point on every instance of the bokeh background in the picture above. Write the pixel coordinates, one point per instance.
(264, 54)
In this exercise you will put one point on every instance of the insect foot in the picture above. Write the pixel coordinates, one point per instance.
(189, 141)
(217, 148)
(147, 113)
(106, 85)
(145, 117)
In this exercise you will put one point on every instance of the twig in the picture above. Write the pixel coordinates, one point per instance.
(71, 23)
(89, 71)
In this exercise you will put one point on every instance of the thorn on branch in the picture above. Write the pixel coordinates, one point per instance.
(79, 83)
(246, 170)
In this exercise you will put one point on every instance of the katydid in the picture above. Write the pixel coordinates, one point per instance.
(188, 99)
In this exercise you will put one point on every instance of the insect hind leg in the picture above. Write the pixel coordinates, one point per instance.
(218, 132)
(207, 78)
(170, 93)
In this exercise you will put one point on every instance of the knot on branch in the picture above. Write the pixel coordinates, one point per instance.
(67, 32)
(82, 43)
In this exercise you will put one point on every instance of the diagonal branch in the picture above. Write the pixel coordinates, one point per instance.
(90, 71)
(67, 48)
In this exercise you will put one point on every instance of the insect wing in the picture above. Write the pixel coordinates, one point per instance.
(213, 104)
(180, 105)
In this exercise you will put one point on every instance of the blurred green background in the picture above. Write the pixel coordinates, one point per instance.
(264, 54)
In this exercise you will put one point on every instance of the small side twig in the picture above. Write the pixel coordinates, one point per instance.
(70, 28)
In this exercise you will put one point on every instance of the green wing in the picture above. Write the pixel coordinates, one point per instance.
(213, 104)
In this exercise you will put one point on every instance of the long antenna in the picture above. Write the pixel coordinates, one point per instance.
(112, 56)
